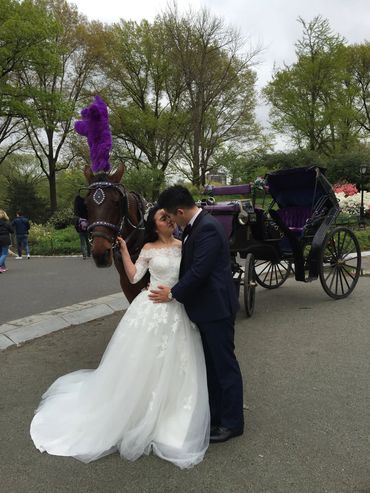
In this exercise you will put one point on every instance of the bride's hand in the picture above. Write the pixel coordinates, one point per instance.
(122, 244)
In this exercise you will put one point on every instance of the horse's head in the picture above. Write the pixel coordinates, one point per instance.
(106, 205)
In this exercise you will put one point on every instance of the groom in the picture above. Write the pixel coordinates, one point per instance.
(208, 293)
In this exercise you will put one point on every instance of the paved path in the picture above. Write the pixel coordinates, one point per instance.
(18, 331)
(41, 284)
(305, 362)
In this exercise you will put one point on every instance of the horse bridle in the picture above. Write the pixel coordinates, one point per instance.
(99, 197)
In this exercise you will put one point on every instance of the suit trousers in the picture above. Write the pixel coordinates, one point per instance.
(225, 385)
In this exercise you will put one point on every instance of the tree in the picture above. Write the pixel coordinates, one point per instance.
(143, 91)
(55, 89)
(69, 182)
(310, 99)
(20, 187)
(219, 83)
(24, 28)
(358, 66)
(345, 166)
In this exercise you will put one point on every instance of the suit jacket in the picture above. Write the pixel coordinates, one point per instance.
(206, 287)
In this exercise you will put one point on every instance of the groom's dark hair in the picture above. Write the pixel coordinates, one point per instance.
(176, 197)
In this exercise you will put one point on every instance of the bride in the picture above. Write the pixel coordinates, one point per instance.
(149, 392)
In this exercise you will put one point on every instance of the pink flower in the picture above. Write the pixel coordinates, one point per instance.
(347, 188)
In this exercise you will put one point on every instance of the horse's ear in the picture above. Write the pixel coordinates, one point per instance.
(88, 174)
(117, 175)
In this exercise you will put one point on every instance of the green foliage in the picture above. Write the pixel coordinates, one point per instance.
(358, 82)
(20, 187)
(219, 92)
(179, 88)
(145, 181)
(69, 182)
(143, 91)
(345, 167)
(242, 167)
(363, 236)
(54, 85)
(45, 240)
(22, 195)
(62, 218)
(312, 100)
(24, 28)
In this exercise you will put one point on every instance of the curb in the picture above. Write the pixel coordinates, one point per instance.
(17, 332)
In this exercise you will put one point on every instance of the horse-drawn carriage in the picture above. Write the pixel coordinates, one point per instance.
(296, 234)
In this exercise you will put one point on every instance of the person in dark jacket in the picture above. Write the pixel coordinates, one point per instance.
(5, 231)
(21, 226)
(208, 293)
(81, 228)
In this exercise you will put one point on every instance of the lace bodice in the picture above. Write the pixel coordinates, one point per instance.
(163, 265)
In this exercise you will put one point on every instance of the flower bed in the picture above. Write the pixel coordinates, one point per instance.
(349, 199)
(351, 204)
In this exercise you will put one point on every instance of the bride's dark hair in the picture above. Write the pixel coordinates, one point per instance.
(151, 234)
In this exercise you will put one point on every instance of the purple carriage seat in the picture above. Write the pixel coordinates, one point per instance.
(224, 212)
(295, 217)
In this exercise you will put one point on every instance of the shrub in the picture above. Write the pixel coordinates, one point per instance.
(62, 218)
(46, 240)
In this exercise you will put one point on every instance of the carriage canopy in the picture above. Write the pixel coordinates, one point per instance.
(298, 187)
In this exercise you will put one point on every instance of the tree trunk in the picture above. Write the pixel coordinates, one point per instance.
(52, 187)
(156, 188)
(203, 174)
(196, 144)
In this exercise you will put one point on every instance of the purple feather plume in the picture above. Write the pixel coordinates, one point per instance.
(95, 126)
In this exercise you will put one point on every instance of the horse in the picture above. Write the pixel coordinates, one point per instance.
(112, 211)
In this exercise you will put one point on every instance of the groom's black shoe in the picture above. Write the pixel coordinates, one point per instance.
(220, 434)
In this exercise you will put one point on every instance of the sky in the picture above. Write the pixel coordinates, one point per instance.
(270, 24)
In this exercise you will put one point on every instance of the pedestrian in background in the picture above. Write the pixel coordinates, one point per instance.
(21, 226)
(81, 228)
(5, 231)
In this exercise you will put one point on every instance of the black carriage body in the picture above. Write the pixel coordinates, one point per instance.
(236, 217)
(298, 228)
(306, 209)
(227, 214)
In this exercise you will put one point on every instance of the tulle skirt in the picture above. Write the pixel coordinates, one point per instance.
(149, 393)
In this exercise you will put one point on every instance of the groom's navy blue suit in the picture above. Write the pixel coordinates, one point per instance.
(208, 293)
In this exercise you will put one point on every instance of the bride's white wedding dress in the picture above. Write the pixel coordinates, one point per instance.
(149, 392)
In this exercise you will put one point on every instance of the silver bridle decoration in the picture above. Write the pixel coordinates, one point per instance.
(99, 196)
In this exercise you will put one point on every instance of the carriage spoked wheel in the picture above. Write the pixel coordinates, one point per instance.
(271, 275)
(340, 262)
(249, 285)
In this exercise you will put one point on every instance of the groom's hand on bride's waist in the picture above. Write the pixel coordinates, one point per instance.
(160, 295)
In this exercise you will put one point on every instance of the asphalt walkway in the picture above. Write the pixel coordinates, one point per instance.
(50, 282)
(305, 362)
(47, 283)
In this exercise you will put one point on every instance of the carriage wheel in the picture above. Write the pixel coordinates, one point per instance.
(271, 275)
(340, 262)
(249, 285)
